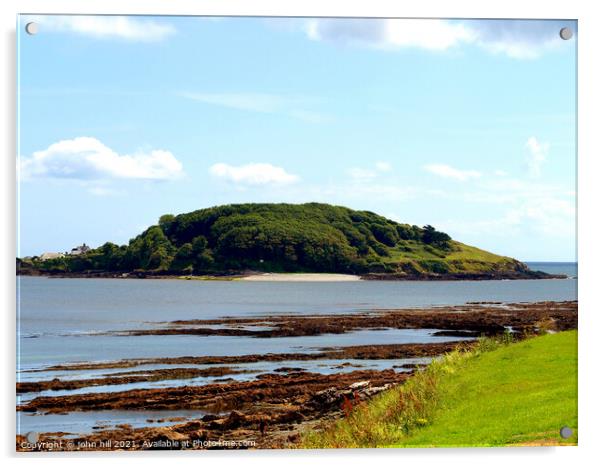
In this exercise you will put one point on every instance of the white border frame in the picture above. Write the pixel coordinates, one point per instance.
(589, 192)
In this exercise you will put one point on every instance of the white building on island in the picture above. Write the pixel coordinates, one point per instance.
(84, 248)
(76, 251)
(51, 255)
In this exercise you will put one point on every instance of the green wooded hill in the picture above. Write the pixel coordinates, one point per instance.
(288, 238)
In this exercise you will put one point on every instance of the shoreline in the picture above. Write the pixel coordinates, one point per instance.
(284, 404)
(307, 277)
(286, 400)
(470, 320)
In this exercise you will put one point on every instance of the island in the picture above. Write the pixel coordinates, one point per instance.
(238, 240)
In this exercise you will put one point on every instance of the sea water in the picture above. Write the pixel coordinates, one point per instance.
(64, 320)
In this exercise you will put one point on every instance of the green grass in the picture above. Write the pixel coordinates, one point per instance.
(459, 252)
(460, 258)
(466, 252)
(497, 394)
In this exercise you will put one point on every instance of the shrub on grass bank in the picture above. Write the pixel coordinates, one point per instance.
(393, 415)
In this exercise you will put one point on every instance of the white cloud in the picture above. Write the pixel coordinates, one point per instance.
(364, 174)
(253, 174)
(88, 158)
(523, 208)
(521, 39)
(264, 103)
(361, 173)
(548, 216)
(106, 27)
(292, 106)
(431, 34)
(511, 191)
(383, 166)
(537, 155)
(354, 194)
(310, 117)
(101, 191)
(446, 171)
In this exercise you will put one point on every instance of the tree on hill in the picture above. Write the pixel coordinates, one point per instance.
(431, 236)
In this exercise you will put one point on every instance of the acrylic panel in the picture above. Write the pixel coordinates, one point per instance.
(274, 233)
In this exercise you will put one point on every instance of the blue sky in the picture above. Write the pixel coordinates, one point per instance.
(465, 125)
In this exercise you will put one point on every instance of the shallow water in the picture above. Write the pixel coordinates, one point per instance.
(320, 366)
(51, 349)
(78, 422)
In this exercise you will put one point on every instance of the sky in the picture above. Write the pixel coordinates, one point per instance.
(468, 125)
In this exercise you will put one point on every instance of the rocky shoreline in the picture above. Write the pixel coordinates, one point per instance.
(463, 321)
(273, 408)
(270, 412)
(376, 352)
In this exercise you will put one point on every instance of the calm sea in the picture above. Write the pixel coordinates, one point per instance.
(59, 317)
(563, 268)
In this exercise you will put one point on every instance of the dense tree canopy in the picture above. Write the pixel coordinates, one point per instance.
(271, 237)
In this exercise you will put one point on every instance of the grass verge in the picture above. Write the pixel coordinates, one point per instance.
(499, 393)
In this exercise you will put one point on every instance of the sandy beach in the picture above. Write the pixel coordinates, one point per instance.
(302, 277)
